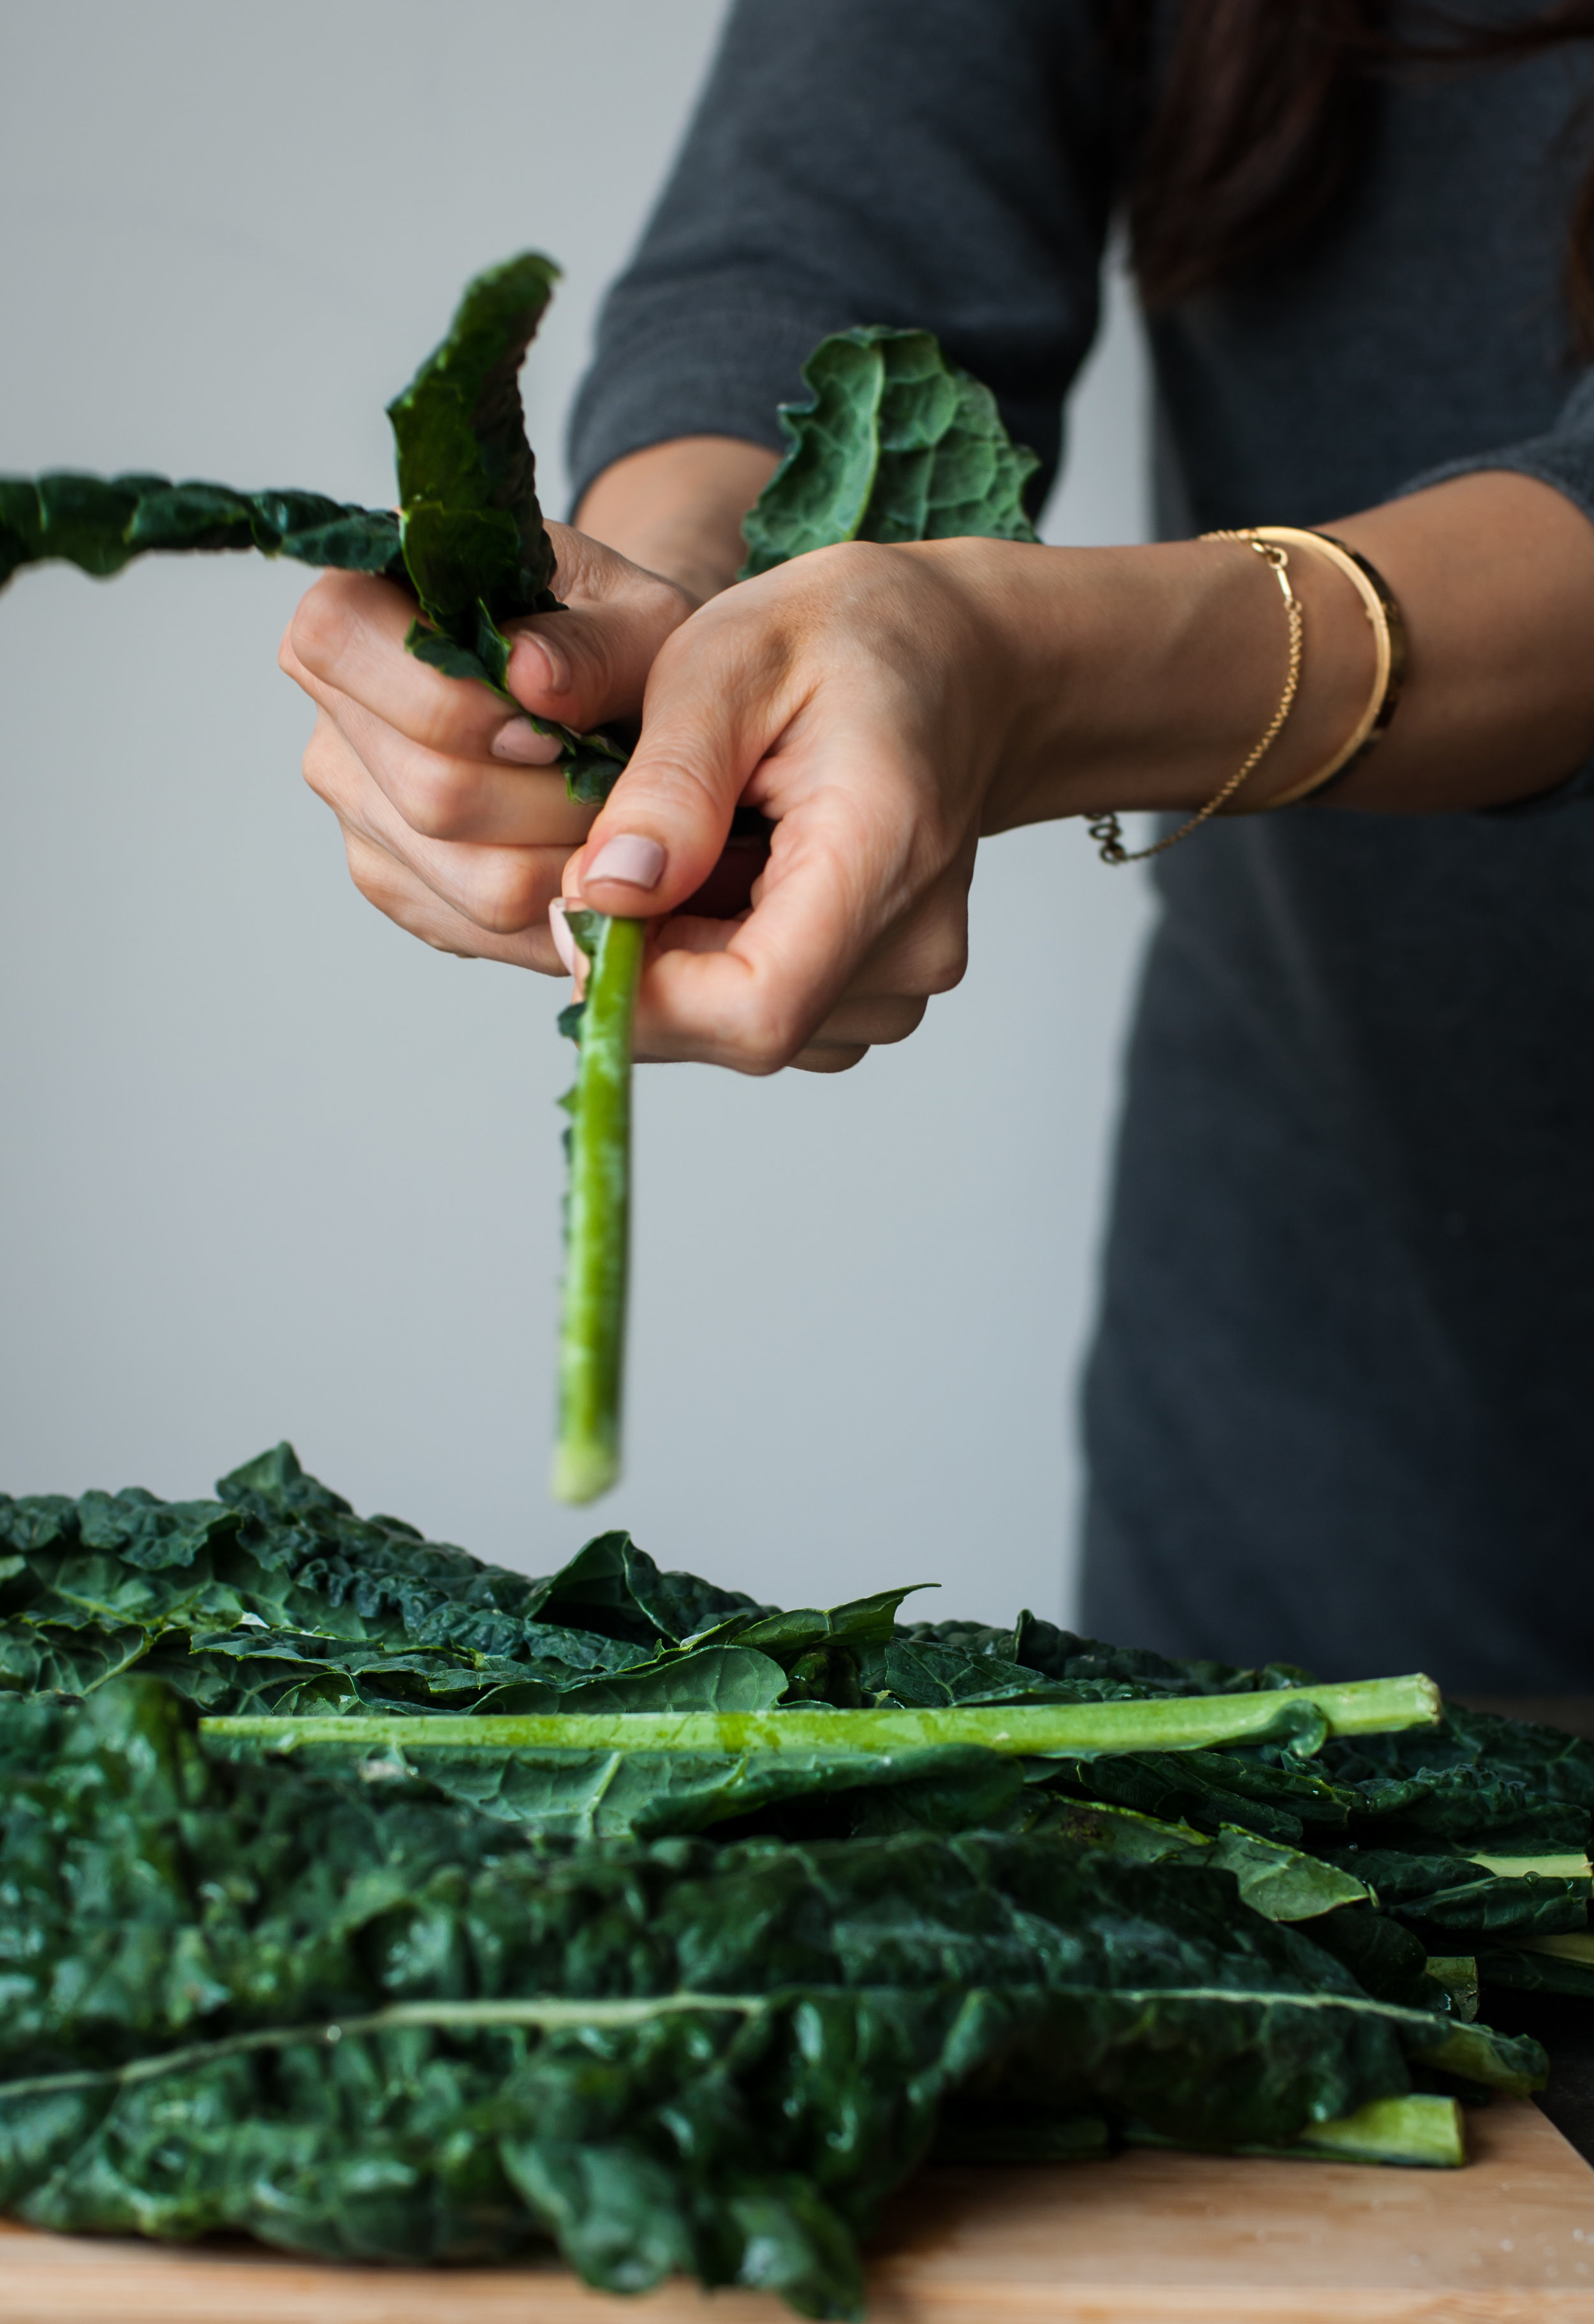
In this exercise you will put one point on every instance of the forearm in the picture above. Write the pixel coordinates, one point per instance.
(1151, 671)
(1144, 676)
(677, 508)
(1494, 574)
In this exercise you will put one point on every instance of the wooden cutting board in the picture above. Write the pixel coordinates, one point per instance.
(1148, 2238)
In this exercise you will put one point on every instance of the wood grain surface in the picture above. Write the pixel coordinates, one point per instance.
(1149, 2239)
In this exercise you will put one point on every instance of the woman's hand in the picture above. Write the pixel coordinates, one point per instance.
(862, 699)
(884, 706)
(456, 822)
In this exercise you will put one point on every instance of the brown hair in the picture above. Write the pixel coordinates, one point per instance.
(1264, 109)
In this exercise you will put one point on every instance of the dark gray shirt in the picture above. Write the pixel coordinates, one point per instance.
(1341, 1404)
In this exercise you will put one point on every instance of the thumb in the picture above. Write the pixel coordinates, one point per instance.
(708, 720)
(589, 663)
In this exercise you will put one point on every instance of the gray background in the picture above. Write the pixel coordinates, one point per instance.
(272, 1169)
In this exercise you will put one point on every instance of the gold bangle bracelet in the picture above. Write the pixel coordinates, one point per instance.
(1389, 647)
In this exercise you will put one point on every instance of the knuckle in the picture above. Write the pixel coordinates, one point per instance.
(766, 1041)
(682, 788)
(318, 631)
(437, 798)
(319, 764)
(904, 1018)
(371, 875)
(506, 898)
(944, 966)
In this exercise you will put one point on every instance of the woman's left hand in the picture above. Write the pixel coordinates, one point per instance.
(455, 820)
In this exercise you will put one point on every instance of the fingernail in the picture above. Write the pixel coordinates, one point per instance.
(518, 741)
(555, 673)
(564, 944)
(639, 862)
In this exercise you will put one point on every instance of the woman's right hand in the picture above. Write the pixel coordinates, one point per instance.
(454, 818)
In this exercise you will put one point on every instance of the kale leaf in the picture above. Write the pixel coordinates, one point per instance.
(677, 2008)
(101, 524)
(474, 541)
(895, 444)
(672, 2056)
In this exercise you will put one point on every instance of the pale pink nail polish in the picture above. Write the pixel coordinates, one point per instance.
(518, 741)
(639, 862)
(564, 944)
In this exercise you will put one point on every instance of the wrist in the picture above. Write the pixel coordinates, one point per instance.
(1139, 678)
(676, 508)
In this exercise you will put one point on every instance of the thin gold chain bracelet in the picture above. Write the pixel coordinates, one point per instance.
(1106, 829)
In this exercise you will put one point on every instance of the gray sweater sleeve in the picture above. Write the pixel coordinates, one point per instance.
(940, 165)
(1563, 456)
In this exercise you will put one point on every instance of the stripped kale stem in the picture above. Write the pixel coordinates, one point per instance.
(893, 444)
(598, 1219)
(1074, 1730)
(1423, 2130)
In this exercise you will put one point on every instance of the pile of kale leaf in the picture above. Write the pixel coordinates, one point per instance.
(675, 2011)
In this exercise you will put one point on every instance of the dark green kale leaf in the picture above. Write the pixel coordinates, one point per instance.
(1554, 1765)
(612, 1587)
(1450, 1893)
(712, 1678)
(1098, 1669)
(1387, 1959)
(472, 529)
(298, 1673)
(858, 1623)
(50, 1658)
(475, 546)
(276, 1594)
(100, 523)
(924, 1671)
(277, 1597)
(1475, 1777)
(822, 1649)
(676, 2009)
(895, 444)
(150, 1535)
(635, 1794)
(1279, 1882)
(1518, 1969)
(1209, 1789)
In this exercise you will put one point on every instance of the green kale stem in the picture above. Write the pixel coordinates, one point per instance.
(1378, 1706)
(1424, 2130)
(592, 1327)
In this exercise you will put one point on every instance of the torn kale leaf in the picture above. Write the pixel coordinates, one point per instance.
(101, 524)
(468, 535)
